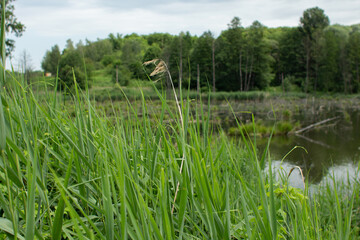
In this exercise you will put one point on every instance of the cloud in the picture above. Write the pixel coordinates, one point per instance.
(51, 22)
(88, 17)
(40, 3)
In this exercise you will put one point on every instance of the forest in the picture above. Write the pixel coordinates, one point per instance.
(312, 57)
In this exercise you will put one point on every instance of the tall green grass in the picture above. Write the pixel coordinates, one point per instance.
(89, 177)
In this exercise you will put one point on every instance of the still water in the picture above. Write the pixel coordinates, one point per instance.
(328, 150)
(331, 149)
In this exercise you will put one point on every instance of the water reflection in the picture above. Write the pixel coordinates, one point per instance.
(328, 147)
(331, 146)
(343, 174)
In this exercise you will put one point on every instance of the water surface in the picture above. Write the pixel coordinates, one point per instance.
(331, 148)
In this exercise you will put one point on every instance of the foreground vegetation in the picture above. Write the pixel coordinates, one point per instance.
(84, 177)
(88, 176)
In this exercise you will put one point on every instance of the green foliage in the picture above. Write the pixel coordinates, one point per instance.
(202, 56)
(87, 174)
(153, 52)
(116, 41)
(161, 39)
(312, 24)
(51, 60)
(243, 58)
(132, 53)
(354, 60)
(312, 20)
(230, 50)
(314, 57)
(290, 58)
(290, 84)
(261, 130)
(177, 55)
(284, 127)
(329, 72)
(260, 72)
(12, 25)
(108, 60)
(95, 51)
(72, 64)
(121, 75)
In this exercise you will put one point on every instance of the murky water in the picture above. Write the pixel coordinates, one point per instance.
(329, 149)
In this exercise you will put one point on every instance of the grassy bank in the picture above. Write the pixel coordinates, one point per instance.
(103, 89)
(83, 177)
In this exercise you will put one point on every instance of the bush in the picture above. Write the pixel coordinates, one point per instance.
(283, 128)
(290, 84)
(66, 75)
(71, 63)
(124, 75)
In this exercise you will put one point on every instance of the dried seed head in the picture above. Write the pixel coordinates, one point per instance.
(154, 61)
(160, 66)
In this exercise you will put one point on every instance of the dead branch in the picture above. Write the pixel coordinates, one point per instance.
(315, 125)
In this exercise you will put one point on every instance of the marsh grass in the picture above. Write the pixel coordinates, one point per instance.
(84, 176)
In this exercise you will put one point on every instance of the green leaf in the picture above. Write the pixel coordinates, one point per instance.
(7, 226)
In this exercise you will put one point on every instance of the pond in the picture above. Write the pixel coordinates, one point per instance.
(332, 148)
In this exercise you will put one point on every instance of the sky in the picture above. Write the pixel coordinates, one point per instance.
(51, 22)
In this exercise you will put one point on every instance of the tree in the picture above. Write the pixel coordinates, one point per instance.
(51, 60)
(71, 63)
(12, 25)
(133, 50)
(257, 69)
(235, 38)
(97, 50)
(161, 39)
(329, 62)
(202, 55)
(164, 42)
(230, 54)
(312, 23)
(353, 49)
(116, 42)
(153, 52)
(291, 56)
(181, 36)
(26, 66)
(179, 53)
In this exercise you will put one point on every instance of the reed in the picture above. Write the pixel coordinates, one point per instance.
(85, 176)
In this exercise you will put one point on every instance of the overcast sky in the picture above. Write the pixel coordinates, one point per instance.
(50, 22)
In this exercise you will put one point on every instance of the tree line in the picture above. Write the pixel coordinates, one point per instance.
(315, 56)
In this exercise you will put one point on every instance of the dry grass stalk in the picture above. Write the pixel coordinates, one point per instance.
(301, 172)
(161, 68)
